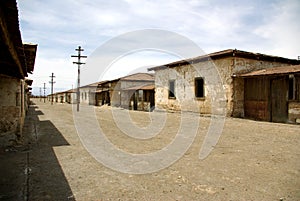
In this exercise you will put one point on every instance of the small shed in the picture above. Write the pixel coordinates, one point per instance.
(273, 94)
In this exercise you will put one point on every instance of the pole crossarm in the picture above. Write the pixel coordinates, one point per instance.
(78, 56)
(78, 63)
(52, 82)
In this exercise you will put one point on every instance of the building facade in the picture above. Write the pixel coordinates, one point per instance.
(17, 60)
(134, 92)
(207, 84)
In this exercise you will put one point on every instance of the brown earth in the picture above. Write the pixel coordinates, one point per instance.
(252, 161)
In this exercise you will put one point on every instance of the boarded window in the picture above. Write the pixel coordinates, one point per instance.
(172, 89)
(199, 87)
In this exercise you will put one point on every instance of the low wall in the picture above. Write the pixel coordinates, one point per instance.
(294, 111)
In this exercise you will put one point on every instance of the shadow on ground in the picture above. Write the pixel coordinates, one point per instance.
(32, 171)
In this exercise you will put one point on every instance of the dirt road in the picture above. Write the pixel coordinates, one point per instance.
(252, 161)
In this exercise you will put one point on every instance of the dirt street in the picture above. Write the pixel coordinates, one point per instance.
(252, 161)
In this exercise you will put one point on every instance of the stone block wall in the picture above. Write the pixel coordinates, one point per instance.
(12, 108)
(222, 90)
(294, 111)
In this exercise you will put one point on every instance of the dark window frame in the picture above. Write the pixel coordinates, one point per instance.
(171, 94)
(199, 83)
(292, 87)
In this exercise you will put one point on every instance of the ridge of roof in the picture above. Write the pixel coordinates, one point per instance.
(226, 53)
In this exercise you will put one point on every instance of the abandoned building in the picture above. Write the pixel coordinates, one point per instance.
(70, 96)
(134, 92)
(87, 93)
(273, 94)
(194, 84)
(17, 60)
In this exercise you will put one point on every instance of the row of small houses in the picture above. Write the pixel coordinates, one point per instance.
(231, 82)
(134, 91)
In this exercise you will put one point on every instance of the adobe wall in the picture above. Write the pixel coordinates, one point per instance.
(216, 86)
(222, 91)
(12, 111)
(294, 111)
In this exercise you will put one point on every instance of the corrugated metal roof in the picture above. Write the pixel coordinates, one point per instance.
(224, 54)
(273, 71)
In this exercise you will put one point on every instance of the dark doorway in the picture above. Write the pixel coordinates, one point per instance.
(135, 100)
(152, 100)
(279, 90)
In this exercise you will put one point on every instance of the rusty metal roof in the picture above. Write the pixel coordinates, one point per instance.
(273, 71)
(224, 54)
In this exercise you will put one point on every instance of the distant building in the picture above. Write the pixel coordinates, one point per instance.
(134, 92)
(200, 81)
(17, 60)
(87, 93)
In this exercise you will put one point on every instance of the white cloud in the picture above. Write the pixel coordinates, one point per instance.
(282, 30)
(60, 26)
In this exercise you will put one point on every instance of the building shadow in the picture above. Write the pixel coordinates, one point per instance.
(33, 172)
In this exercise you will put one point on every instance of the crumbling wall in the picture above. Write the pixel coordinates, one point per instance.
(12, 111)
(216, 75)
(223, 90)
(294, 111)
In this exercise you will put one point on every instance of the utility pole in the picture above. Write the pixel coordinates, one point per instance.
(40, 93)
(44, 92)
(79, 56)
(52, 82)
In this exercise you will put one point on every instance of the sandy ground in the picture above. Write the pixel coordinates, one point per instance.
(252, 161)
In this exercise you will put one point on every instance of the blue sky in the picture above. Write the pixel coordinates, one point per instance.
(59, 26)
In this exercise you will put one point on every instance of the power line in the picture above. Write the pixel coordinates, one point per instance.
(79, 56)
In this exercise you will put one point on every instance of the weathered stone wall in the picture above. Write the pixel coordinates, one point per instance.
(294, 111)
(12, 110)
(70, 97)
(222, 90)
(215, 76)
(87, 95)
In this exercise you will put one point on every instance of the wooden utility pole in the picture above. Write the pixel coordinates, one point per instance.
(40, 93)
(44, 92)
(52, 82)
(79, 56)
